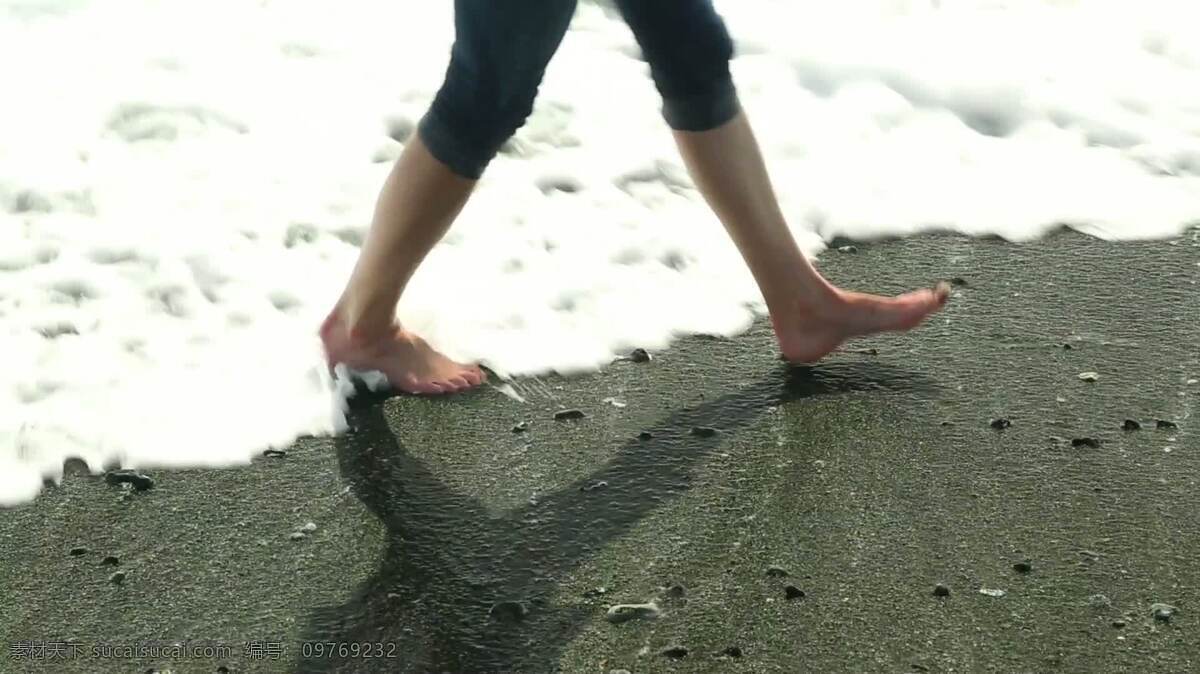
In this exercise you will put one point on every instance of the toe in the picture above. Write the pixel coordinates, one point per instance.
(473, 375)
(458, 383)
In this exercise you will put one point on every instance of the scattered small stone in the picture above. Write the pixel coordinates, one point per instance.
(1131, 425)
(117, 577)
(566, 415)
(133, 478)
(521, 427)
(1001, 423)
(78, 551)
(620, 613)
(1163, 423)
(959, 281)
(674, 652)
(941, 590)
(308, 528)
(595, 592)
(1085, 442)
(774, 571)
(274, 453)
(1067, 346)
(645, 435)
(947, 423)
(704, 431)
(732, 652)
(847, 249)
(615, 402)
(675, 591)
(793, 592)
(75, 466)
(1022, 567)
(992, 593)
(222, 670)
(296, 535)
(919, 667)
(640, 356)
(110, 560)
(601, 484)
(1088, 376)
(1163, 612)
(1118, 623)
(508, 611)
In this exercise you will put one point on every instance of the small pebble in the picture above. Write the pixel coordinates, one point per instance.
(274, 453)
(222, 670)
(508, 611)
(1088, 376)
(620, 613)
(674, 652)
(78, 551)
(117, 578)
(645, 435)
(1085, 442)
(296, 535)
(847, 249)
(732, 652)
(110, 560)
(940, 590)
(992, 593)
(1131, 425)
(1066, 346)
(776, 571)
(133, 478)
(704, 431)
(959, 281)
(308, 528)
(793, 592)
(521, 427)
(1099, 601)
(1022, 567)
(1163, 612)
(675, 591)
(595, 592)
(565, 415)
(640, 356)
(619, 671)
(1118, 623)
(1001, 423)
(1163, 423)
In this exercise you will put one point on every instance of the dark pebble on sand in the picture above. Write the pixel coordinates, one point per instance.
(1163, 423)
(117, 578)
(675, 591)
(78, 551)
(75, 466)
(133, 478)
(1131, 425)
(566, 415)
(1163, 612)
(110, 560)
(940, 590)
(645, 435)
(508, 611)
(1022, 567)
(793, 592)
(776, 571)
(1118, 623)
(296, 535)
(732, 652)
(274, 453)
(1066, 346)
(1085, 442)
(704, 431)
(521, 427)
(595, 592)
(959, 281)
(1099, 601)
(639, 356)
(222, 670)
(1001, 423)
(675, 652)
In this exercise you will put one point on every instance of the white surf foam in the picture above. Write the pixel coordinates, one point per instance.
(183, 187)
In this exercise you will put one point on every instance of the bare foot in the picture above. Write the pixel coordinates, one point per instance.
(409, 362)
(807, 333)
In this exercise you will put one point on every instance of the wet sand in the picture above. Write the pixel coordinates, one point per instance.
(446, 541)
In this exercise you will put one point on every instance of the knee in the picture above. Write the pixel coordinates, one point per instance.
(690, 68)
(474, 113)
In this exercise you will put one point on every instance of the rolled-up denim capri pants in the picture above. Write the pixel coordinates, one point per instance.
(501, 49)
